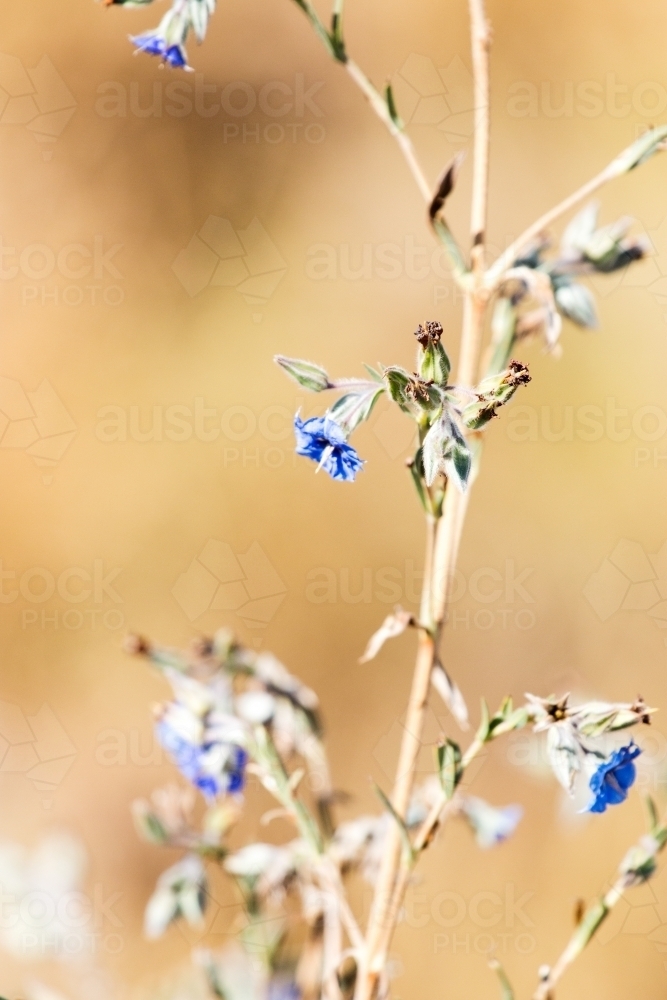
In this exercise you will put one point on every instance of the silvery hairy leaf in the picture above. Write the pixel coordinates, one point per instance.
(445, 450)
(393, 625)
(180, 892)
(450, 694)
(564, 754)
(306, 373)
(355, 407)
(577, 303)
(199, 12)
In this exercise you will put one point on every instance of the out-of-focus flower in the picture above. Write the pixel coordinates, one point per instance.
(168, 40)
(322, 440)
(613, 778)
(572, 731)
(44, 912)
(360, 844)
(167, 816)
(203, 736)
(491, 826)
(180, 892)
(213, 767)
(266, 869)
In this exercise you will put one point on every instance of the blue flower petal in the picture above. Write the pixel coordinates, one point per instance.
(175, 56)
(189, 759)
(151, 43)
(613, 778)
(323, 440)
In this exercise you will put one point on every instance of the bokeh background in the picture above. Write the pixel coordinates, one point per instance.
(163, 235)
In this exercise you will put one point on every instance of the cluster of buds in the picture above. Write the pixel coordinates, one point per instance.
(444, 414)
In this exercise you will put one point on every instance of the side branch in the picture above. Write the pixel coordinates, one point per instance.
(334, 44)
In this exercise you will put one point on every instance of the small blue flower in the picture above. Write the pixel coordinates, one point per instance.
(613, 778)
(193, 761)
(155, 44)
(322, 440)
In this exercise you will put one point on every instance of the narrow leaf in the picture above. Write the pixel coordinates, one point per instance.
(449, 767)
(393, 625)
(647, 144)
(405, 836)
(306, 373)
(445, 185)
(506, 991)
(392, 109)
(451, 695)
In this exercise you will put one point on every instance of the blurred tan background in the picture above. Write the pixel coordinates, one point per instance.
(163, 236)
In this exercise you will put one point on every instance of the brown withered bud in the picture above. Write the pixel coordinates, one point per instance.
(639, 706)
(519, 374)
(429, 333)
(417, 389)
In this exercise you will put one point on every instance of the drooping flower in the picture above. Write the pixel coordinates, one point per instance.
(491, 826)
(613, 778)
(322, 440)
(168, 39)
(154, 44)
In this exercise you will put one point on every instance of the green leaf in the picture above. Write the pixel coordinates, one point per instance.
(416, 469)
(405, 836)
(375, 375)
(392, 109)
(449, 767)
(459, 465)
(640, 151)
(503, 329)
(653, 816)
(306, 373)
(354, 408)
(506, 991)
(484, 729)
(397, 381)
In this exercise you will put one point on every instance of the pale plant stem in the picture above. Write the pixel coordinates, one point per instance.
(442, 548)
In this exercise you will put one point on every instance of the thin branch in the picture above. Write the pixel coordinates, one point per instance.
(631, 157)
(442, 548)
(636, 868)
(334, 44)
